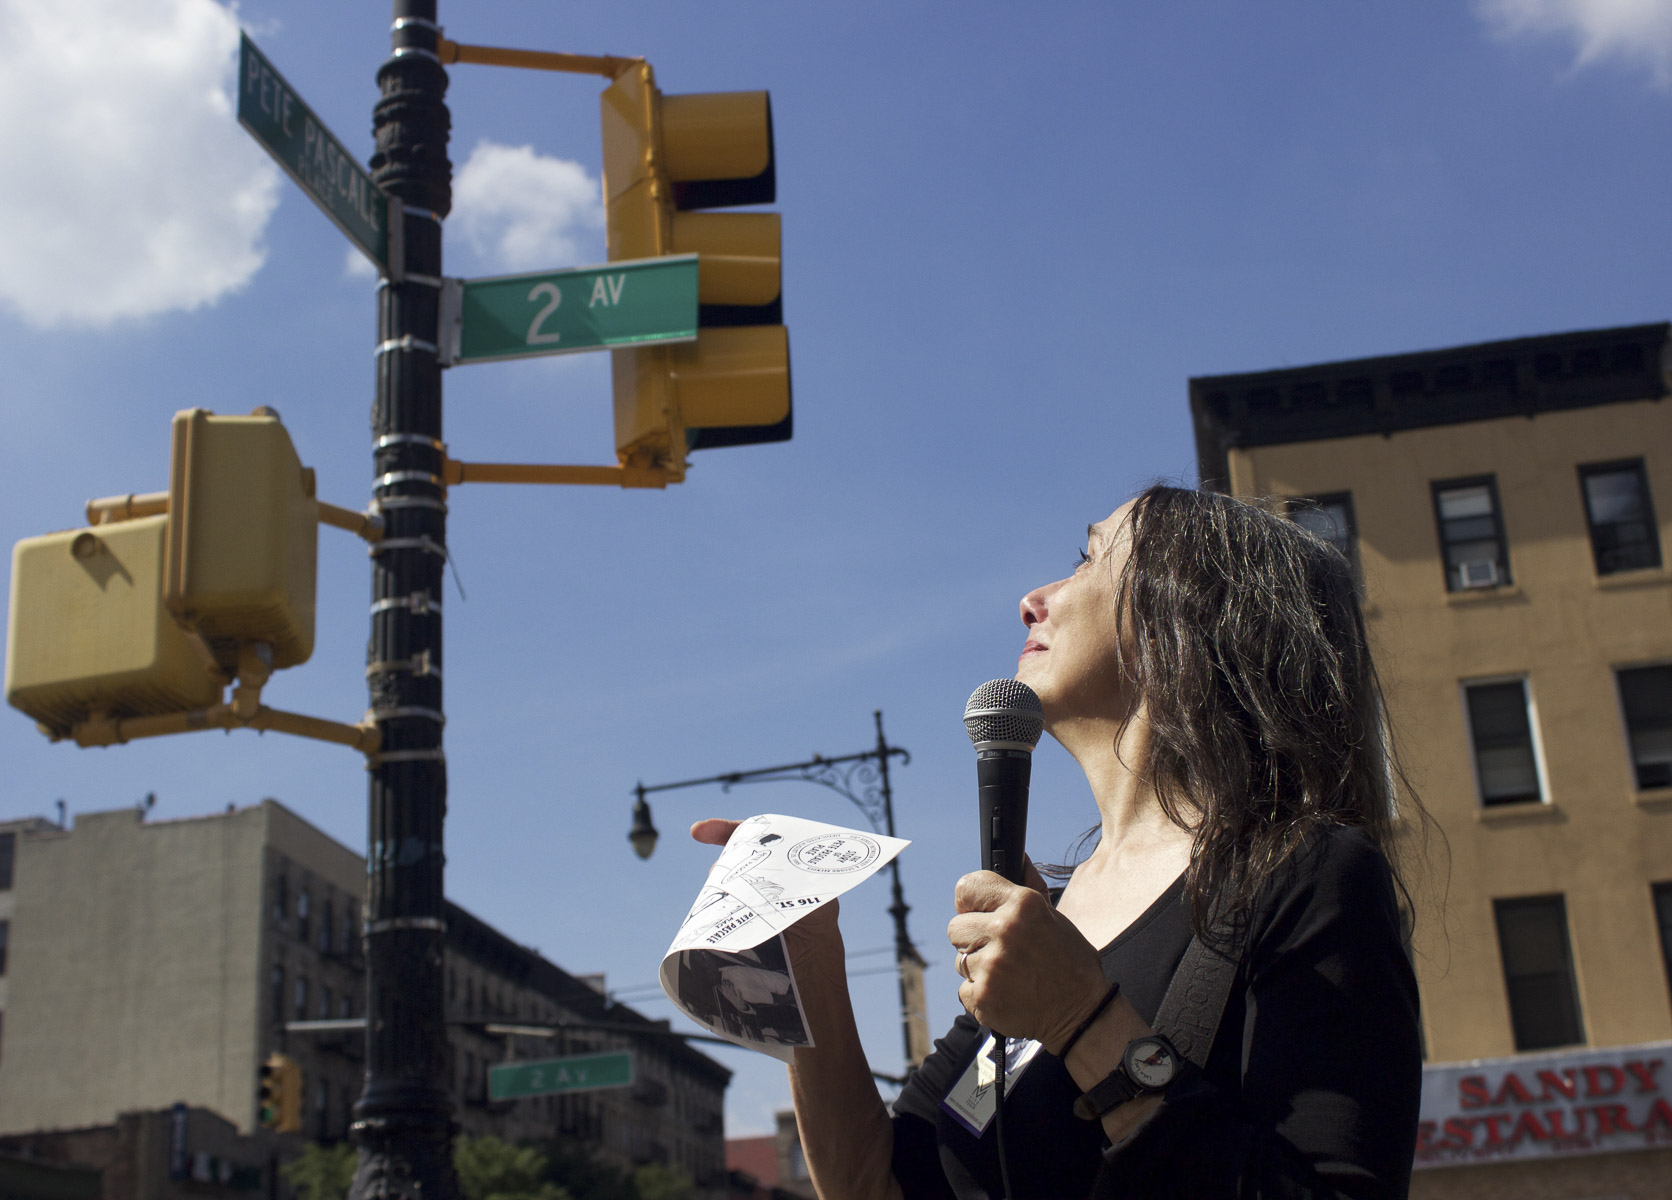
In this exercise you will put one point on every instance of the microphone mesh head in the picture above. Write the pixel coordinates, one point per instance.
(1004, 710)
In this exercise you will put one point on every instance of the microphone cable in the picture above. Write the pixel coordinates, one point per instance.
(1001, 1053)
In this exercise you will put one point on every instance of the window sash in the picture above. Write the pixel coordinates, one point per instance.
(1471, 528)
(1501, 736)
(1538, 972)
(1646, 703)
(1620, 516)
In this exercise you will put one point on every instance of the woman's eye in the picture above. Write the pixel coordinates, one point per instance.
(1084, 559)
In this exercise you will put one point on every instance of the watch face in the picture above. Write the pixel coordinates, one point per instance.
(1150, 1063)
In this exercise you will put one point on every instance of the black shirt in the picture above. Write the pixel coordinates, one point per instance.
(1310, 1090)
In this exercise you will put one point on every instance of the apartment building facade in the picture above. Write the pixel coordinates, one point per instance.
(153, 963)
(1507, 506)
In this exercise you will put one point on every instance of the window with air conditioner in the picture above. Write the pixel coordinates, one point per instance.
(1502, 738)
(1472, 545)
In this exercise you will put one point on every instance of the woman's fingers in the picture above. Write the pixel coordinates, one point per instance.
(715, 831)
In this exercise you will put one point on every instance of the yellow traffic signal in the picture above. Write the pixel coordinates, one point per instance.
(243, 536)
(88, 632)
(152, 610)
(280, 1107)
(667, 159)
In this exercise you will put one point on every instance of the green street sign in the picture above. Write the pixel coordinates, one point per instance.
(546, 1076)
(563, 312)
(276, 117)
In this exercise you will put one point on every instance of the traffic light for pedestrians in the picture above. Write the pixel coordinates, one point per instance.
(667, 161)
(160, 602)
(281, 1094)
(243, 536)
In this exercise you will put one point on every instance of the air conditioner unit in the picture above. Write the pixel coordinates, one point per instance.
(1478, 573)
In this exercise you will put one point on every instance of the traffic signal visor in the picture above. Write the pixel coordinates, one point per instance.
(87, 630)
(243, 536)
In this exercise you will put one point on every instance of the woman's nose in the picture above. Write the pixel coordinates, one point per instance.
(1035, 605)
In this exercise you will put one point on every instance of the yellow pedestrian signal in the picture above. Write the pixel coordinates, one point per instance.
(88, 631)
(243, 536)
(668, 159)
(280, 1104)
(133, 626)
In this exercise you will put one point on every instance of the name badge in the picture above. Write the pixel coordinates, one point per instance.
(971, 1098)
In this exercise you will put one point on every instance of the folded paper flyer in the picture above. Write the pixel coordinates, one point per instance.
(727, 968)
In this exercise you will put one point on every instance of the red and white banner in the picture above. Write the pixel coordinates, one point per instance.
(1538, 1105)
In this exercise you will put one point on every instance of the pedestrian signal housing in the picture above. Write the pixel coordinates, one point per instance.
(667, 160)
(88, 631)
(151, 611)
(243, 536)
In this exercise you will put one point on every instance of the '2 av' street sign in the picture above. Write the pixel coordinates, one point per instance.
(626, 303)
(276, 117)
(576, 1073)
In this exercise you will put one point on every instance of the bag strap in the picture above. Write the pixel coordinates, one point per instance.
(1195, 1001)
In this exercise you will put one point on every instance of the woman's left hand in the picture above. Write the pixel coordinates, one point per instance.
(1028, 971)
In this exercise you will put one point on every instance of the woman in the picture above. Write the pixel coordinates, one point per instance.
(1206, 665)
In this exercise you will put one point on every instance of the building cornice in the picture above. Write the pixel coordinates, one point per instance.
(1522, 377)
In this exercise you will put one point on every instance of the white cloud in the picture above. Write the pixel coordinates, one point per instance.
(1638, 31)
(129, 188)
(521, 211)
(357, 266)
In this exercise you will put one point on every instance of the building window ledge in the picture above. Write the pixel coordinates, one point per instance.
(1642, 577)
(1654, 799)
(1509, 592)
(1517, 814)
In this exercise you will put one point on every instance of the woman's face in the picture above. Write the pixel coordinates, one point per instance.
(1071, 656)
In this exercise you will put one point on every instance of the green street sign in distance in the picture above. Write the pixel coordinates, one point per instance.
(546, 1076)
(276, 117)
(625, 303)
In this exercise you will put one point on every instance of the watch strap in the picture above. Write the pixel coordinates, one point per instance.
(1115, 1090)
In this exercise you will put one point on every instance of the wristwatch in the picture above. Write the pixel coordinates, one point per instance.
(1147, 1067)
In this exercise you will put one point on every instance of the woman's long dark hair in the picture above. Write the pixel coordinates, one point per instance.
(1243, 636)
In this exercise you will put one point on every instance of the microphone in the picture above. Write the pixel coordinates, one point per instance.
(1004, 719)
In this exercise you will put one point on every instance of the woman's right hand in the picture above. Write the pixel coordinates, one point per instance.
(814, 942)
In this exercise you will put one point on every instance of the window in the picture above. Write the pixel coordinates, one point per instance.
(1663, 918)
(350, 942)
(8, 855)
(1646, 699)
(1538, 971)
(324, 1001)
(281, 899)
(302, 907)
(345, 1006)
(1506, 764)
(278, 994)
(1621, 517)
(301, 997)
(5, 937)
(1331, 518)
(1471, 533)
(325, 929)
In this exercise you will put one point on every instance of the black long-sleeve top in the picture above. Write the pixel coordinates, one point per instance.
(1310, 1090)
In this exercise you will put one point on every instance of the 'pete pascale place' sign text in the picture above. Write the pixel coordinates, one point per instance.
(277, 118)
(1534, 1105)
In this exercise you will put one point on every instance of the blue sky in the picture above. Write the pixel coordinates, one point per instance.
(1008, 243)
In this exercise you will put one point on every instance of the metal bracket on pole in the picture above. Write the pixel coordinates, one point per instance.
(455, 472)
(607, 65)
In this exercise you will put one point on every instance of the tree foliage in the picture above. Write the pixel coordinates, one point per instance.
(322, 1172)
(492, 1169)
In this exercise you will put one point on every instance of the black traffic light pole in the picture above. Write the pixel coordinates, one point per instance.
(404, 1121)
